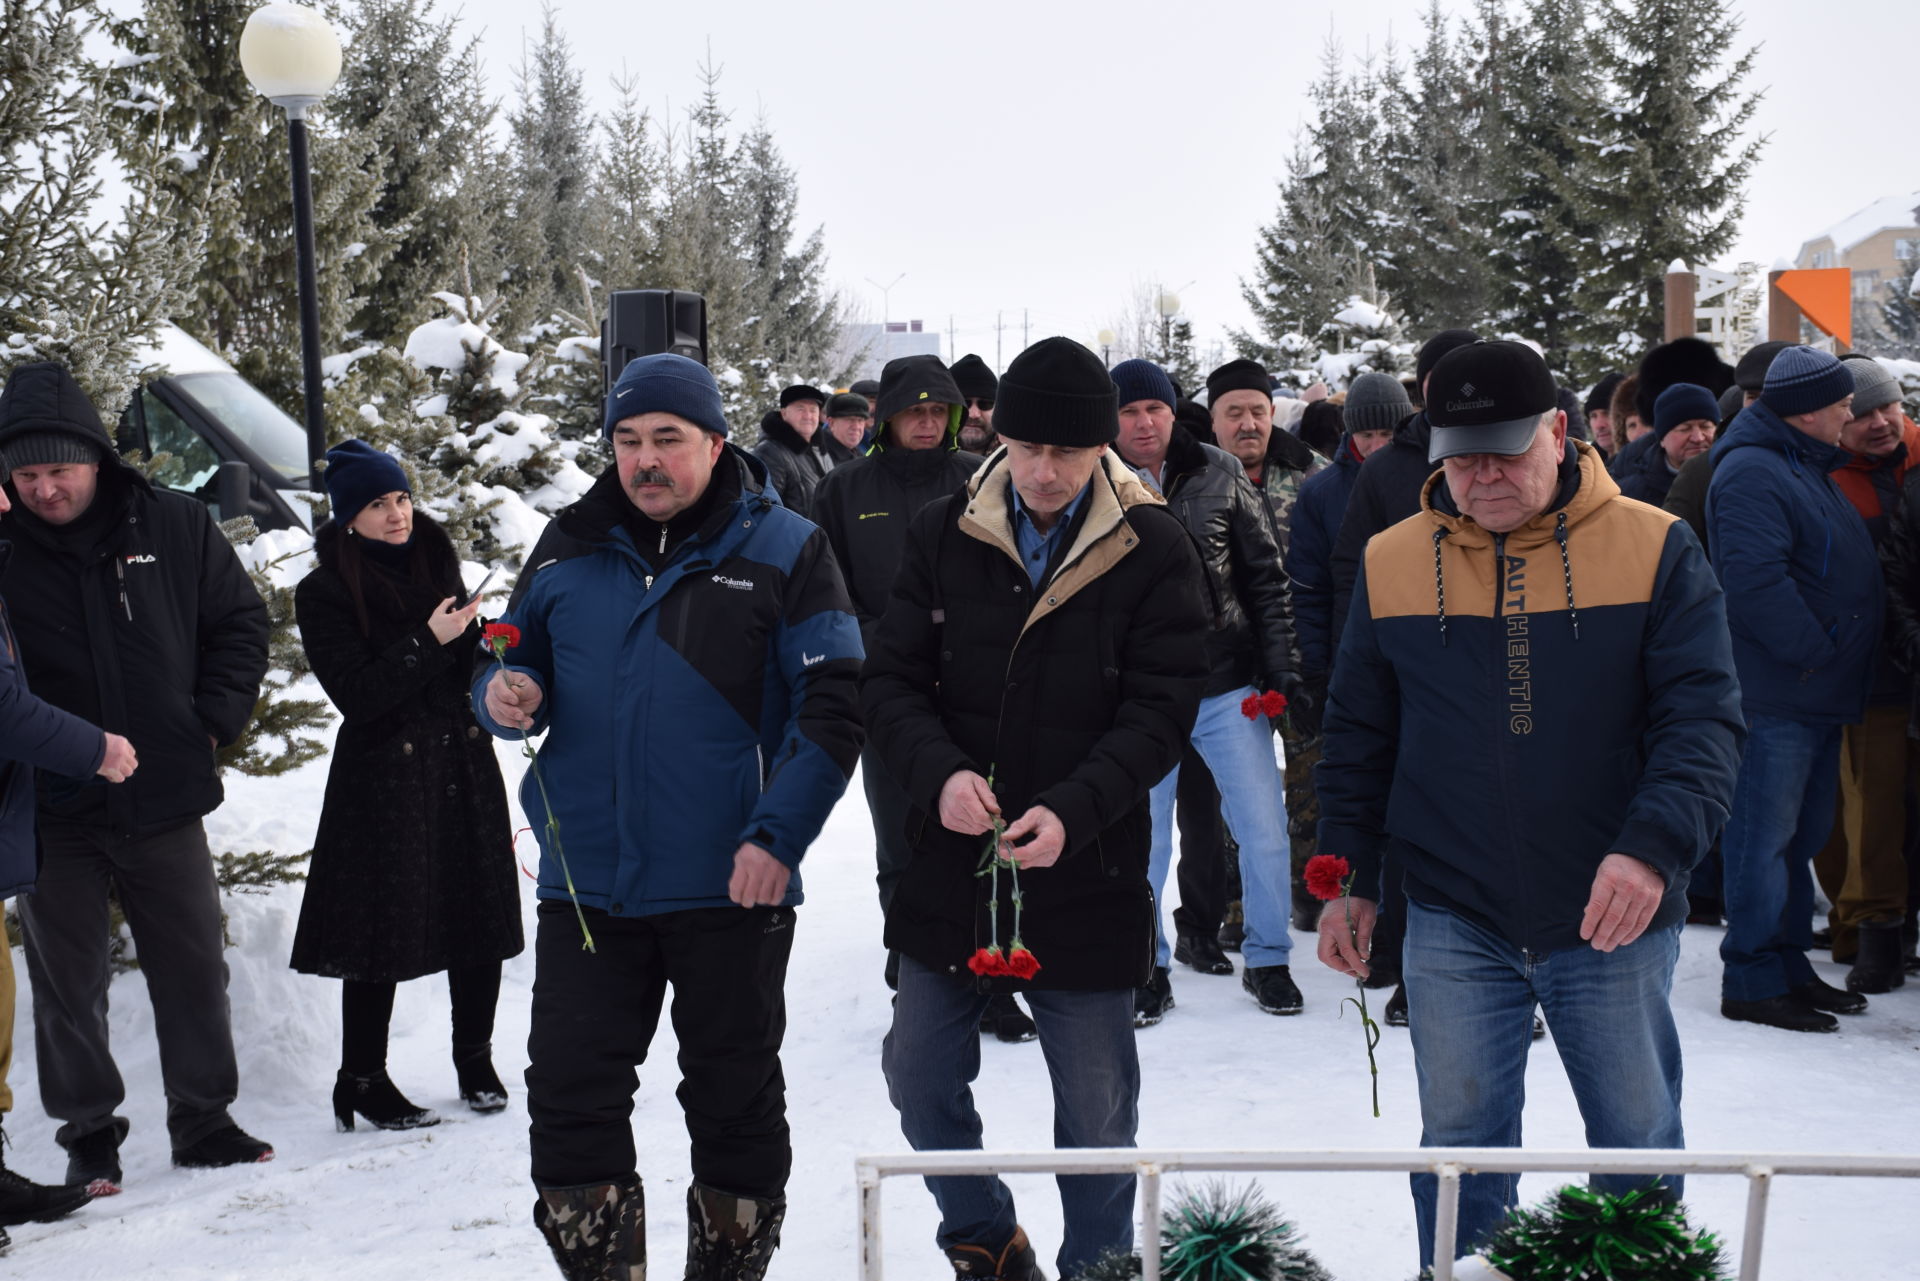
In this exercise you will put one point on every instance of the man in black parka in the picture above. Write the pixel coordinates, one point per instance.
(133, 613)
(1039, 664)
(794, 447)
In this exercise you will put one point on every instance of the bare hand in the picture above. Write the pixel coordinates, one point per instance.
(1626, 894)
(967, 805)
(1342, 949)
(1045, 838)
(449, 624)
(118, 764)
(759, 879)
(513, 698)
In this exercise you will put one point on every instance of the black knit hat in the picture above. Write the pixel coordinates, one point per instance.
(1056, 392)
(1750, 375)
(46, 419)
(975, 380)
(1437, 346)
(1238, 375)
(800, 391)
(356, 474)
(1601, 397)
(911, 380)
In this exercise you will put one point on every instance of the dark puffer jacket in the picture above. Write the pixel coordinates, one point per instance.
(1386, 492)
(1233, 528)
(1804, 588)
(1900, 559)
(413, 869)
(866, 507)
(1477, 665)
(1309, 560)
(1076, 695)
(795, 467)
(1648, 478)
(139, 618)
(34, 734)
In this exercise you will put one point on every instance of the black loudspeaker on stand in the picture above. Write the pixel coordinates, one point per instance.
(646, 322)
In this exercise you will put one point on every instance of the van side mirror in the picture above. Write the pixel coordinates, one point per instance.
(234, 487)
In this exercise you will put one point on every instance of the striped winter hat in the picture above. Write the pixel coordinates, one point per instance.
(1801, 380)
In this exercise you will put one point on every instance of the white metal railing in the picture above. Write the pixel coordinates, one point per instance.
(1759, 1169)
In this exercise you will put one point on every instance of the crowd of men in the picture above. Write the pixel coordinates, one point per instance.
(1553, 676)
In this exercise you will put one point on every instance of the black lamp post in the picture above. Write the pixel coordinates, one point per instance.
(292, 58)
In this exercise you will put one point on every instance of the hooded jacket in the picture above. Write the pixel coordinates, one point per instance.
(34, 734)
(1804, 588)
(866, 507)
(1478, 668)
(1232, 525)
(1316, 524)
(1386, 492)
(1076, 695)
(139, 618)
(794, 467)
(692, 707)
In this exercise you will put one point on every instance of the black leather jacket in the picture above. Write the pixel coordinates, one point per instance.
(1232, 525)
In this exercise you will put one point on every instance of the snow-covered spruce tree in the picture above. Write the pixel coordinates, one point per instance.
(78, 284)
(1674, 165)
(1370, 334)
(627, 177)
(798, 318)
(231, 185)
(401, 88)
(1553, 213)
(1299, 277)
(1176, 355)
(552, 137)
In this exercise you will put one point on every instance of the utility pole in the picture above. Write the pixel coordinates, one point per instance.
(951, 349)
(1026, 329)
(999, 328)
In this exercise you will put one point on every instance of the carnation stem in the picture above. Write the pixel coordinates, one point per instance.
(553, 821)
(1367, 1025)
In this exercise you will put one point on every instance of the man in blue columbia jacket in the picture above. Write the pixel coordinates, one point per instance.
(1804, 599)
(1529, 616)
(687, 645)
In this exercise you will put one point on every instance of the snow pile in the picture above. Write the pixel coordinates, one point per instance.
(455, 342)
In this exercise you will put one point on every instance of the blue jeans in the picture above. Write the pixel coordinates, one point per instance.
(1240, 754)
(1782, 812)
(931, 1057)
(1470, 999)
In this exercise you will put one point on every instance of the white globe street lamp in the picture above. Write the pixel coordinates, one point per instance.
(292, 58)
(1105, 338)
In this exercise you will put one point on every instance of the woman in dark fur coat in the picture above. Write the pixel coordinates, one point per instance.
(412, 868)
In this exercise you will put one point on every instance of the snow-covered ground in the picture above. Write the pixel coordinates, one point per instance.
(454, 1201)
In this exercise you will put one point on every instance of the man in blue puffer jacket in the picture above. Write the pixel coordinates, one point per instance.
(688, 647)
(1804, 602)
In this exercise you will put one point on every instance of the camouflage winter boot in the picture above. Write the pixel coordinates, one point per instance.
(597, 1233)
(730, 1238)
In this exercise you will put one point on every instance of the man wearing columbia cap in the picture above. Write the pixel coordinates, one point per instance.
(1526, 617)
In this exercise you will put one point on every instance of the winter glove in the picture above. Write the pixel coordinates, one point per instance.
(1306, 700)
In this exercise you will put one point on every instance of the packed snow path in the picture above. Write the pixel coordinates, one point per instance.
(454, 1201)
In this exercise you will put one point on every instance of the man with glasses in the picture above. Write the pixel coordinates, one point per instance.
(978, 386)
(1528, 616)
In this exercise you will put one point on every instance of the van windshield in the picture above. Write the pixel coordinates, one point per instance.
(254, 420)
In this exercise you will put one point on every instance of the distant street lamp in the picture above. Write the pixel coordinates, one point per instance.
(1169, 305)
(292, 59)
(1106, 337)
(886, 310)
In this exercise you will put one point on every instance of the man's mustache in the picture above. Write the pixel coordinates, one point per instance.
(649, 476)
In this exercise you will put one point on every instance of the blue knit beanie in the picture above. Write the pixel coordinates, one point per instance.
(356, 474)
(1801, 380)
(1682, 403)
(1143, 380)
(666, 384)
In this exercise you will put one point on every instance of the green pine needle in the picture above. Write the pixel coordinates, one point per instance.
(1582, 1235)
(1218, 1233)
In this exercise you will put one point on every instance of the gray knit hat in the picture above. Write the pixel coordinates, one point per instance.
(1873, 384)
(1376, 402)
(45, 449)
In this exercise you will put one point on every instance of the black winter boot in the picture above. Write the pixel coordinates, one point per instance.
(480, 1086)
(24, 1201)
(1877, 964)
(597, 1232)
(731, 1238)
(230, 1145)
(1014, 1261)
(93, 1161)
(1151, 1003)
(379, 1100)
(1007, 1021)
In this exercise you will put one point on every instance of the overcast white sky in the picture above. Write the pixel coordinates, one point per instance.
(1043, 155)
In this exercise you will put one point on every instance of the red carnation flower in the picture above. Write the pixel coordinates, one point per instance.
(501, 632)
(987, 961)
(1326, 876)
(1273, 703)
(1022, 964)
(1250, 706)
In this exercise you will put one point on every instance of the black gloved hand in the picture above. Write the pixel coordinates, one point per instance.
(1306, 701)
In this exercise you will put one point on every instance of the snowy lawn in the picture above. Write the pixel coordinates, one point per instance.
(454, 1201)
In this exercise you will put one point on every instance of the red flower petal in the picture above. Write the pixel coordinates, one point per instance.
(1250, 706)
(986, 961)
(1326, 876)
(1022, 964)
(501, 631)
(1273, 703)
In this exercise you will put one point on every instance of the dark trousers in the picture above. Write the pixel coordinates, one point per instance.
(1202, 869)
(887, 802)
(366, 1015)
(594, 1015)
(166, 887)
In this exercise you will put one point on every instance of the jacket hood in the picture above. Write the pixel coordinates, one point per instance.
(43, 397)
(908, 380)
(1415, 431)
(1584, 488)
(1758, 427)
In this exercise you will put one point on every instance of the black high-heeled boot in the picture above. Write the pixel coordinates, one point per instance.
(480, 1085)
(376, 1098)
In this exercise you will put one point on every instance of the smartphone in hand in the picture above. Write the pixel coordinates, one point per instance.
(468, 598)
